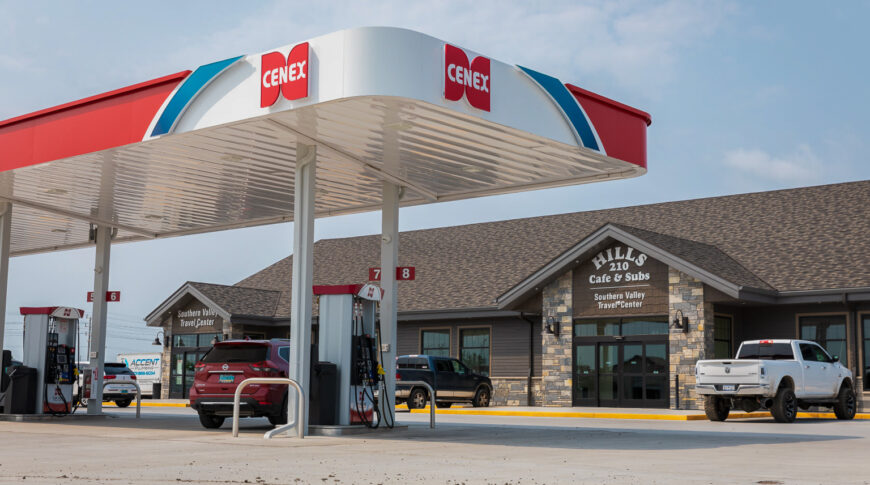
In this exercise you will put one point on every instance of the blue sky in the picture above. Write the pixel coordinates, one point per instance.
(744, 96)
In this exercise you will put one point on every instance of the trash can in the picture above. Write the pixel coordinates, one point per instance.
(323, 395)
(21, 394)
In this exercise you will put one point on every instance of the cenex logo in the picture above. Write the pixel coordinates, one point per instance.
(460, 77)
(289, 76)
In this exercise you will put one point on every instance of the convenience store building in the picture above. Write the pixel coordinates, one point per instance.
(600, 308)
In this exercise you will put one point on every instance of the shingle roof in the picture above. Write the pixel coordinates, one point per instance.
(704, 256)
(240, 300)
(796, 239)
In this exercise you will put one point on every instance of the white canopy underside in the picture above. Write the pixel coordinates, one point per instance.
(242, 174)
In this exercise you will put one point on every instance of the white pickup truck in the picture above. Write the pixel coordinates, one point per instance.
(778, 375)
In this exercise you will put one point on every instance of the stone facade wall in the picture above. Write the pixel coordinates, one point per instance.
(686, 294)
(165, 362)
(513, 391)
(556, 378)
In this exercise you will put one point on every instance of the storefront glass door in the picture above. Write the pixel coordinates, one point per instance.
(616, 371)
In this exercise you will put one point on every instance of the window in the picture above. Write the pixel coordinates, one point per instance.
(184, 340)
(829, 331)
(866, 321)
(814, 353)
(236, 353)
(435, 343)
(722, 337)
(766, 351)
(474, 349)
(443, 366)
(603, 327)
(195, 339)
(207, 339)
(284, 353)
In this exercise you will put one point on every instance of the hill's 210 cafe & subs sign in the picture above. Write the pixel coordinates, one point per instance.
(621, 280)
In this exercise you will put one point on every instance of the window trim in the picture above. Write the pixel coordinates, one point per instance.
(731, 349)
(797, 326)
(459, 329)
(430, 329)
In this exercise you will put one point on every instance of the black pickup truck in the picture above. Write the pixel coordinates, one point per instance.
(452, 381)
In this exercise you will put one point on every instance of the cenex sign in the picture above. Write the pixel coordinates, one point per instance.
(289, 75)
(464, 78)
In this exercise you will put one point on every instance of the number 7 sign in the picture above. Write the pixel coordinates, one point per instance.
(403, 273)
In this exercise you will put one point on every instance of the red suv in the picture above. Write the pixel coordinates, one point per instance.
(226, 365)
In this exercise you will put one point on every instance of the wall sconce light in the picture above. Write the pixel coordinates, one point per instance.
(552, 326)
(157, 338)
(681, 322)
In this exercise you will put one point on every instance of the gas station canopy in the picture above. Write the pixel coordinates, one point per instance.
(215, 148)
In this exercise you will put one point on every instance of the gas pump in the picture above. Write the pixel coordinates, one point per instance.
(50, 340)
(348, 337)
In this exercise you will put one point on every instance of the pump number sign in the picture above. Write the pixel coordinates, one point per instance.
(110, 296)
(403, 273)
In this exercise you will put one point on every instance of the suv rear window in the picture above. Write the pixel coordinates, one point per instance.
(775, 351)
(117, 370)
(236, 353)
(412, 363)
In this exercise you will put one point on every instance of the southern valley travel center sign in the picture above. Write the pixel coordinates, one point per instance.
(196, 318)
(621, 280)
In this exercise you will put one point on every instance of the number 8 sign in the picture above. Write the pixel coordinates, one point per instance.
(403, 273)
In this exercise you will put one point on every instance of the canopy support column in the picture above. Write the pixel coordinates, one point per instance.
(389, 261)
(303, 269)
(5, 238)
(97, 343)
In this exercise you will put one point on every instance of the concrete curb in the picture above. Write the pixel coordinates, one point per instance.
(611, 415)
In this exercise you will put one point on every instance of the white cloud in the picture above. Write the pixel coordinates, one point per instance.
(801, 166)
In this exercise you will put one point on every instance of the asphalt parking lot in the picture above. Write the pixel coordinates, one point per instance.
(168, 446)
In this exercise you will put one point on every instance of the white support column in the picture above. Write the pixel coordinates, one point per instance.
(303, 269)
(97, 343)
(389, 261)
(5, 237)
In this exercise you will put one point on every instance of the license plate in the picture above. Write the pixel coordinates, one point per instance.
(729, 387)
(226, 379)
(124, 391)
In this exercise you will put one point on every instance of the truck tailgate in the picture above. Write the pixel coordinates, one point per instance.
(729, 371)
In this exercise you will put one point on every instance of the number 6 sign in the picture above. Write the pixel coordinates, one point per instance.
(110, 296)
(403, 273)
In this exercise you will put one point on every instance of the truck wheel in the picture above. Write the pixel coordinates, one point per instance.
(417, 399)
(716, 408)
(481, 398)
(845, 407)
(784, 409)
(211, 421)
(122, 403)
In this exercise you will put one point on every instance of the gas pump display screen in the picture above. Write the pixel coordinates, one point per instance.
(61, 358)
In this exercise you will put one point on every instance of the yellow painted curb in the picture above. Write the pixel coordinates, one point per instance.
(610, 415)
(154, 404)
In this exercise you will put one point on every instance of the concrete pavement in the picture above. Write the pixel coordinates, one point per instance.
(169, 446)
